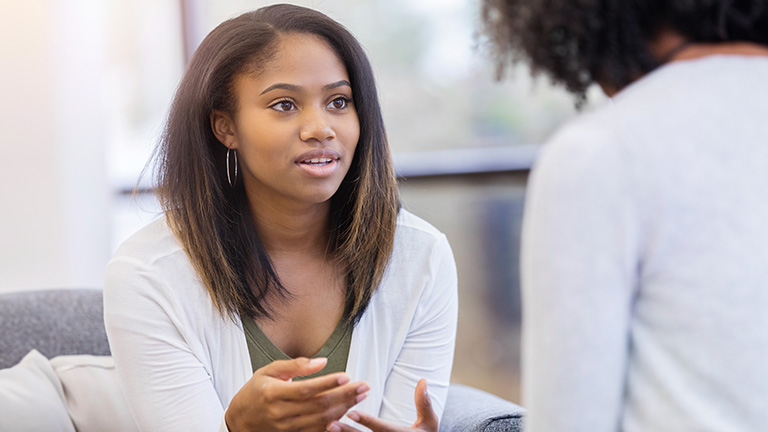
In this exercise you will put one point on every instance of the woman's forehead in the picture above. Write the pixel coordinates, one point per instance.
(304, 59)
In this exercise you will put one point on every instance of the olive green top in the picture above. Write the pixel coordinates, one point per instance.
(263, 352)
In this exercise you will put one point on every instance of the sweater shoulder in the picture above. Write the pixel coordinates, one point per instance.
(153, 242)
(409, 223)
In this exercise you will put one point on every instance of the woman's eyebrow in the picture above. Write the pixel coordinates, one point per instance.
(296, 88)
(337, 84)
(284, 86)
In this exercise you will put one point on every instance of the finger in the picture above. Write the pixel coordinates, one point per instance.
(373, 423)
(302, 390)
(322, 418)
(425, 415)
(310, 416)
(288, 369)
(341, 427)
(345, 397)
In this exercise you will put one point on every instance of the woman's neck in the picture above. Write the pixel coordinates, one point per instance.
(670, 46)
(287, 229)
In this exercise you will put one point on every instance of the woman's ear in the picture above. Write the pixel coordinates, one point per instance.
(223, 128)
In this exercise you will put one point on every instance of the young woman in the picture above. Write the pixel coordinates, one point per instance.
(284, 285)
(645, 244)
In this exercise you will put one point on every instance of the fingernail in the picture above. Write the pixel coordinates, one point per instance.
(359, 398)
(318, 361)
(343, 379)
(334, 427)
(354, 416)
(363, 388)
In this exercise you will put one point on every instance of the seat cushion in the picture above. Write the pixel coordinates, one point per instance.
(32, 397)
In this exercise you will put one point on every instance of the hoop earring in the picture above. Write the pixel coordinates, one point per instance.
(232, 182)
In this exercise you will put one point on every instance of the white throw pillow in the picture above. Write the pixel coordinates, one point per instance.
(92, 394)
(31, 397)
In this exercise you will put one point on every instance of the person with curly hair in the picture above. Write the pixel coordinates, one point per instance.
(645, 242)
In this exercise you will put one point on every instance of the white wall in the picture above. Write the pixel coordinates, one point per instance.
(54, 221)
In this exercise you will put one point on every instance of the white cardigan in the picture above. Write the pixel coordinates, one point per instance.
(180, 362)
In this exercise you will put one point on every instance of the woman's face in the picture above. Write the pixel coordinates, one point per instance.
(296, 127)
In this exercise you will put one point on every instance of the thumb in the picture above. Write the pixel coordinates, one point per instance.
(425, 416)
(288, 369)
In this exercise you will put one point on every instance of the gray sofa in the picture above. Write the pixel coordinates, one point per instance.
(70, 322)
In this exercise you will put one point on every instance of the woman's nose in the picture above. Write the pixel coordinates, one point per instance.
(316, 126)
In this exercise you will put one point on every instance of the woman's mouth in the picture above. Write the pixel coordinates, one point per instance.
(317, 161)
(319, 167)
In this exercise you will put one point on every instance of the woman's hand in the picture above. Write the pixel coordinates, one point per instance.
(271, 402)
(426, 419)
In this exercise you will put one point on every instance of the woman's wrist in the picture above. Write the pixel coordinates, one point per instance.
(231, 417)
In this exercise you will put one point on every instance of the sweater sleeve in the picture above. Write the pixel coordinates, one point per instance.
(166, 386)
(429, 345)
(579, 265)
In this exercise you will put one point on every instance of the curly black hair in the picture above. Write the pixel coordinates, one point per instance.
(578, 42)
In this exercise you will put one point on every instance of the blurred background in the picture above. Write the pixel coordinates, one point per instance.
(85, 86)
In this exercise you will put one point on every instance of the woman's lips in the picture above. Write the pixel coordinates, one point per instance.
(325, 153)
(319, 162)
(320, 170)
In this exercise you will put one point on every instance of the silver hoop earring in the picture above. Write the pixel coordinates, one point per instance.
(232, 182)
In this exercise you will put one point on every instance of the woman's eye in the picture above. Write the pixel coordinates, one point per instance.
(339, 103)
(283, 106)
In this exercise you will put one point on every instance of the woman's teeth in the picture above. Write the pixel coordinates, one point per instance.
(318, 161)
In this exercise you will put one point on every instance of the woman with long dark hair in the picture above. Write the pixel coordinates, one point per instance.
(284, 284)
(645, 243)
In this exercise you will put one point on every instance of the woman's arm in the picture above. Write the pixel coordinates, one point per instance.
(427, 353)
(429, 347)
(579, 275)
(165, 384)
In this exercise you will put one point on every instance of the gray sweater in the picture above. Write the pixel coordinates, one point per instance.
(645, 258)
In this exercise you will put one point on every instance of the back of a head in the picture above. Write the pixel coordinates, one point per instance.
(579, 42)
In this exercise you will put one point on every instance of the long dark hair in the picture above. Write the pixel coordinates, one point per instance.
(579, 42)
(212, 220)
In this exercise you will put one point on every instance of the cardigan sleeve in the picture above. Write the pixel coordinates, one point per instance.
(579, 274)
(166, 386)
(429, 345)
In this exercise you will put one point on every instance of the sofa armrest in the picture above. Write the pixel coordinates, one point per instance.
(471, 410)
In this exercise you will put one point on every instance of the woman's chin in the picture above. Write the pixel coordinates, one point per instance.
(316, 195)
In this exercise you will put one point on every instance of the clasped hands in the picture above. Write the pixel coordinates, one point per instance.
(271, 402)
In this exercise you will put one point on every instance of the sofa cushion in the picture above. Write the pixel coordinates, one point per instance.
(471, 410)
(54, 322)
(92, 393)
(31, 397)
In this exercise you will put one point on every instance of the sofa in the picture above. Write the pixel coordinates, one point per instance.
(66, 326)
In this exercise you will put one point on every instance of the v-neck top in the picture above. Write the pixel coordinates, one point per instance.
(263, 352)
